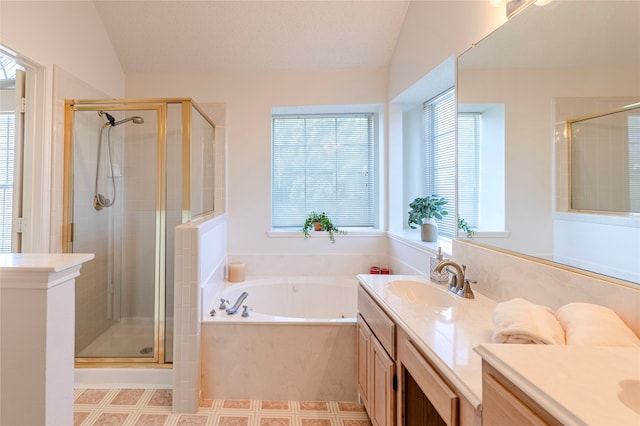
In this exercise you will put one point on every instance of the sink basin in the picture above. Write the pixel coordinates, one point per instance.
(421, 293)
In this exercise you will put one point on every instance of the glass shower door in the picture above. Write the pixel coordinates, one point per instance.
(115, 216)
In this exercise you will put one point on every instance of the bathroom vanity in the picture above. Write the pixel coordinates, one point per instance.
(425, 357)
(415, 359)
(559, 385)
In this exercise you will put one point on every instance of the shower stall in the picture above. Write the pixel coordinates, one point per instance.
(134, 170)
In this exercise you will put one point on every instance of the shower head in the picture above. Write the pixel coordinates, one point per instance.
(112, 121)
(136, 119)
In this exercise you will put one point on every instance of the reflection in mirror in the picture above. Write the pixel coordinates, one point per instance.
(605, 161)
(544, 66)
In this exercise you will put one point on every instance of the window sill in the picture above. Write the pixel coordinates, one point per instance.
(350, 232)
(630, 221)
(487, 234)
(412, 238)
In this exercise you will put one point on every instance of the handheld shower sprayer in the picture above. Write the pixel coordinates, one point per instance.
(111, 121)
(99, 200)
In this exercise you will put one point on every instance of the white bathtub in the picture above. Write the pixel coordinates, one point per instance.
(298, 342)
(290, 299)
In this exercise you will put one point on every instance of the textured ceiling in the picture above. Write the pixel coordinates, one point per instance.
(246, 36)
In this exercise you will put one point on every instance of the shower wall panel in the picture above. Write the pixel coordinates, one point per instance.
(91, 230)
(140, 175)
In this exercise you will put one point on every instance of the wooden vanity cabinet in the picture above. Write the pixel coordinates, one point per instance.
(398, 385)
(426, 398)
(376, 365)
(504, 403)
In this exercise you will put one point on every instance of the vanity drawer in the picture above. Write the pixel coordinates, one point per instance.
(381, 325)
(504, 403)
(437, 391)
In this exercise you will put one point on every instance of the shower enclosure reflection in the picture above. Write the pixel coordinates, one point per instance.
(133, 171)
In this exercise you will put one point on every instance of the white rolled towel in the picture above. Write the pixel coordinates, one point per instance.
(588, 324)
(520, 321)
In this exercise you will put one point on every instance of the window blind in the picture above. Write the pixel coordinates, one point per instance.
(469, 167)
(440, 167)
(7, 132)
(323, 163)
(634, 163)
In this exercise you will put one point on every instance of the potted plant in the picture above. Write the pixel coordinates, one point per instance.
(320, 222)
(424, 212)
(464, 226)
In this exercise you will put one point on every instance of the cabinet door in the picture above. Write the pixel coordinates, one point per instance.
(501, 407)
(382, 393)
(364, 348)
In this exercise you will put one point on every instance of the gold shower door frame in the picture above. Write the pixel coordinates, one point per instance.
(160, 105)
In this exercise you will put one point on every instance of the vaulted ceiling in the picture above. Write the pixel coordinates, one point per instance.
(245, 36)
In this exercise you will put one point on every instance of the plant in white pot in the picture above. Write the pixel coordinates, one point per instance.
(424, 213)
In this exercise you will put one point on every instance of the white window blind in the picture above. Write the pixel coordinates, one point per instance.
(469, 167)
(7, 132)
(634, 163)
(440, 167)
(323, 163)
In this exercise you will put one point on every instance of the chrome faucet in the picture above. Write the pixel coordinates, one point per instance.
(458, 284)
(232, 310)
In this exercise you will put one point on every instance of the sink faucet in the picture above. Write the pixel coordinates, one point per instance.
(458, 284)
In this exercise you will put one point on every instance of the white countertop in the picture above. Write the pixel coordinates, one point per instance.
(581, 385)
(446, 334)
(50, 262)
(39, 270)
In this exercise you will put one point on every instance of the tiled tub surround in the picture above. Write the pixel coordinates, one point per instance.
(200, 256)
(265, 356)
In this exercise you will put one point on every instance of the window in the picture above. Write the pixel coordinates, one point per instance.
(7, 132)
(323, 163)
(469, 167)
(481, 167)
(9, 194)
(634, 163)
(439, 155)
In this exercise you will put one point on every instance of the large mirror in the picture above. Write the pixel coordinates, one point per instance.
(516, 90)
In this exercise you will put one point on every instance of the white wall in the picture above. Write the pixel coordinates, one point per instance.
(68, 42)
(423, 66)
(249, 99)
(68, 34)
(427, 38)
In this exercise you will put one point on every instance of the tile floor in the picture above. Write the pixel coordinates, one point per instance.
(142, 407)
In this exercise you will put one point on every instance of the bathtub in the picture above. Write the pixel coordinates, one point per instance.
(298, 342)
(290, 299)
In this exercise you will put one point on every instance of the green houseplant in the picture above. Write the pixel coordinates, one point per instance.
(464, 226)
(424, 212)
(320, 222)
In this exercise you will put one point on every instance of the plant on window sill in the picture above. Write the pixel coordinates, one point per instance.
(464, 226)
(320, 222)
(424, 212)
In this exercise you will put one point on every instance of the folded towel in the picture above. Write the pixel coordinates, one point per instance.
(594, 325)
(520, 321)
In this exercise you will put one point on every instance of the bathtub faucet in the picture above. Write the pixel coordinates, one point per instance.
(232, 310)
